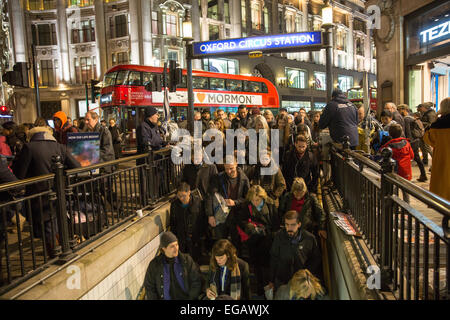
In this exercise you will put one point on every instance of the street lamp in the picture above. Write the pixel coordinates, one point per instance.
(187, 37)
(327, 24)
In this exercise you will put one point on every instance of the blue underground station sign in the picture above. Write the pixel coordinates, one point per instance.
(290, 42)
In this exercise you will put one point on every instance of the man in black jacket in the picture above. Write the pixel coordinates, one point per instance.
(243, 119)
(35, 159)
(185, 212)
(232, 185)
(429, 116)
(198, 174)
(116, 138)
(148, 133)
(300, 162)
(293, 248)
(341, 116)
(172, 275)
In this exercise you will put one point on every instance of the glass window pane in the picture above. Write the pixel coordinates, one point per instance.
(234, 85)
(121, 76)
(110, 78)
(320, 80)
(216, 84)
(134, 78)
(200, 83)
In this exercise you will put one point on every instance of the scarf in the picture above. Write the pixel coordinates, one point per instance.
(235, 288)
(178, 270)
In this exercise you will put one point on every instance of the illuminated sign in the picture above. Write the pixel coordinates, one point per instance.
(210, 98)
(272, 43)
(439, 32)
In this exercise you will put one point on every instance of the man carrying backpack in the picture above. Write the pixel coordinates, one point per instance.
(414, 131)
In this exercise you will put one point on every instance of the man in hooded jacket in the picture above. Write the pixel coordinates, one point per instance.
(62, 127)
(341, 117)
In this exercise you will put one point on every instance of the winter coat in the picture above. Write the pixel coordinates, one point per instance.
(214, 277)
(115, 134)
(267, 217)
(245, 123)
(428, 118)
(220, 184)
(306, 168)
(274, 184)
(283, 293)
(149, 134)
(35, 159)
(199, 177)
(341, 116)
(403, 154)
(438, 136)
(5, 150)
(397, 117)
(288, 256)
(61, 134)
(154, 277)
(313, 217)
(184, 222)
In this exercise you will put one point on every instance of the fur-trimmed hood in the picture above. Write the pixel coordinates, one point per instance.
(41, 133)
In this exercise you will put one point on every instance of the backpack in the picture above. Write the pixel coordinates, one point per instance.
(417, 129)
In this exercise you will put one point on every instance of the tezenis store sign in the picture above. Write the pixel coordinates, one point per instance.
(283, 42)
(435, 34)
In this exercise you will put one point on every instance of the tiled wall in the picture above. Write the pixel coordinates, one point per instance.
(125, 282)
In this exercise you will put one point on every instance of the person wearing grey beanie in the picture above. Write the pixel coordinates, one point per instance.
(172, 275)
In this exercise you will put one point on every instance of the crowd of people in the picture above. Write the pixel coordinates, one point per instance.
(272, 225)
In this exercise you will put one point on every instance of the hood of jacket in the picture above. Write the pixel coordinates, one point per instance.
(341, 98)
(40, 134)
(399, 144)
(61, 116)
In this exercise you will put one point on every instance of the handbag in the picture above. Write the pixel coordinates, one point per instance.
(258, 227)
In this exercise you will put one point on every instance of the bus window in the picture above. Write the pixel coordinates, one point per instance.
(121, 76)
(252, 86)
(146, 78)
(183, 83)
(264, 88)
(374, 94)
(200, 83)
(216, 84)
(234, 85)
(134, 78)
(110, 78)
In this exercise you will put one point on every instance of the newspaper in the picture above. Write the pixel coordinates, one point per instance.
(343, 222)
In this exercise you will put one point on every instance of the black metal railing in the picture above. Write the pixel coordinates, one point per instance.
(68, 209)
(411, 249)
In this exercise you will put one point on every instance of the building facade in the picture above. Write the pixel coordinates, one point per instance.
(79, 40)
(413, 47)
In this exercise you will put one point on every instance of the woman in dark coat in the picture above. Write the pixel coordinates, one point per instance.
(228, 274)
(257, 225)
(313, 217)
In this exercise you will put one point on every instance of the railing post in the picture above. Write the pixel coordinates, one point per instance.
(61, 211)
(347, 158)
(387, 166)
(151, 175)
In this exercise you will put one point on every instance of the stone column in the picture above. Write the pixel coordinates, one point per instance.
(18, 31)
(248, 16)
(235, 18)
(65, 106)
(350, 43)
(100, 38)
(63, 42)
(134, 11)
(304, 7)
(147, 44)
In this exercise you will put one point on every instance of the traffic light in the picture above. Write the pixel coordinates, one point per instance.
(19, 76)
(95, 90)
(175, 76)
(4, 111)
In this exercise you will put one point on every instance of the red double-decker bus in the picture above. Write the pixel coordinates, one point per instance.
(124, 96)
(357, 95)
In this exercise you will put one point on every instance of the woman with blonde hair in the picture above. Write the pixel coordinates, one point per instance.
(282, 124)
(312, 215)
(268, 115)
(256, 225)
(302, 286)
(228, 274)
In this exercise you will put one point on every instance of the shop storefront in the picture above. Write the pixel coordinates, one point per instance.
(427, 40)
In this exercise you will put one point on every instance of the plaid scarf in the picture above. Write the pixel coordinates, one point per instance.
(235, 288)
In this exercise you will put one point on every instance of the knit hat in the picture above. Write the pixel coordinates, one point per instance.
(150, 111)
(61, 116)
(166, 239)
